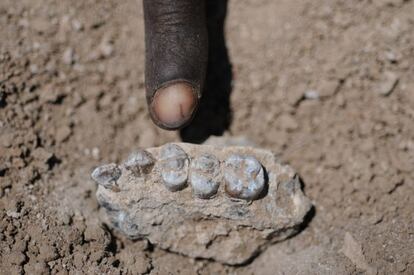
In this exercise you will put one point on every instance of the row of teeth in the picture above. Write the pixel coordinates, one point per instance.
(243, 175)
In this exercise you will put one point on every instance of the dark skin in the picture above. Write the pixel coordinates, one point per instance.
(176, 42)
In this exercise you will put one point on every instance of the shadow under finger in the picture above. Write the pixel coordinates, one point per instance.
(214, 115)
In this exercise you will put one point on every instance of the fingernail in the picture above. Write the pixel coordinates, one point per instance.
(172, 106)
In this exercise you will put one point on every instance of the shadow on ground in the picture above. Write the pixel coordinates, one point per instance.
(214, 113)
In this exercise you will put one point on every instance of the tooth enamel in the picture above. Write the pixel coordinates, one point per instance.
(106, 175)
(139, 163)
(174, 167)
(244, 177)
(203, 176)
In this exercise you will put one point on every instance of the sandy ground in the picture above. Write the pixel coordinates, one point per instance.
(327, 84)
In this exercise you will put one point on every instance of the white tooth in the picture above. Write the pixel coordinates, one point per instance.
(106, 175)
(204, 171)
(244, 177)
(173, 167)
(139, 163)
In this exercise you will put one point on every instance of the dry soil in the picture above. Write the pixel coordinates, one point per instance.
(327, 84)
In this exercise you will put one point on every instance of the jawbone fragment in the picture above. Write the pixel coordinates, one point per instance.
(220, 203)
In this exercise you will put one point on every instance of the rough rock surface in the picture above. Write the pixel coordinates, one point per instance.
(223, 228)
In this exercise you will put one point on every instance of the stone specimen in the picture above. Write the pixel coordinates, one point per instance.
(221, 203)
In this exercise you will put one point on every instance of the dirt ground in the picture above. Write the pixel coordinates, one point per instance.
(327, 84)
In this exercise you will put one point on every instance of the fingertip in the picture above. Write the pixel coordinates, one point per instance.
(172, 106)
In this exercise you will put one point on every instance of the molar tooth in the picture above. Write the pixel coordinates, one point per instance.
(123, 221)
(173, 167)
(107, 175)
(244, 177)
(139, 163)
(204, 171)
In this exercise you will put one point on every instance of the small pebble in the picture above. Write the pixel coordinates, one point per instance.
(312, 94)
(68, 56)
(388, 84)
(96, 153)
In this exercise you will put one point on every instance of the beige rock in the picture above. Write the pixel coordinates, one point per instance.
(353, 251)
(221, 228)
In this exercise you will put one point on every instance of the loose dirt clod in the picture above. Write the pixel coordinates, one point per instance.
(228, 223)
